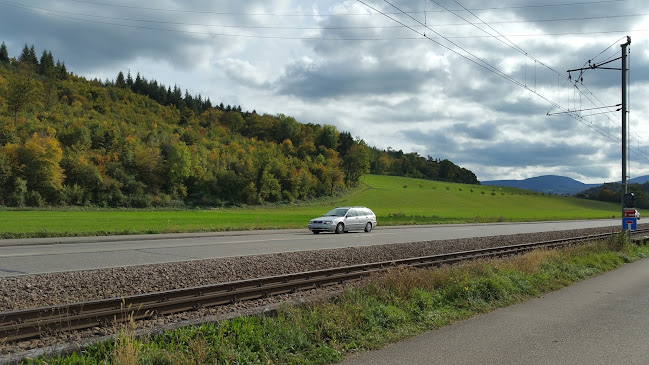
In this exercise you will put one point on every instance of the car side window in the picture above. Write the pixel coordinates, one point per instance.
(351, 213)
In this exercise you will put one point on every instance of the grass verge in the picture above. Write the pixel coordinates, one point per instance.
(394, 306)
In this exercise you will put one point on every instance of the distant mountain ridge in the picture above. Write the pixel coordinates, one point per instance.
(554, 184)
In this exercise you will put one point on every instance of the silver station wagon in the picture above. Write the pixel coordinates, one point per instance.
(344, 219)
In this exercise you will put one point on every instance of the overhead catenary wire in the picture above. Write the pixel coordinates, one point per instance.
(279, 37)
(478, 61)
(483, 64)
(244, 26)
(496, 71)
(592, 60)
(514, 46)
(609, 59)
(639, 140)
(510, 43)
(586, 109)
(134, 7)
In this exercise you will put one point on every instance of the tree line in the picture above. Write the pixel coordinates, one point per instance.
(612, 192)
(66, 140)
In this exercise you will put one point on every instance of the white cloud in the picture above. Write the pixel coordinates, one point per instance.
(243, 72)
(339, 62)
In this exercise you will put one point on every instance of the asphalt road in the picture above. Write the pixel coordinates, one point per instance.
(32, 256)
(603, 320)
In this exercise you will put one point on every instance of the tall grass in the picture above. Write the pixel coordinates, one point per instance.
(393, 306)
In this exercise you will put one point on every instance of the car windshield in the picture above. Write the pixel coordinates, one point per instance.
(338, 212)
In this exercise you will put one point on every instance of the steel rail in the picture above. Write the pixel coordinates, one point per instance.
(36, 322)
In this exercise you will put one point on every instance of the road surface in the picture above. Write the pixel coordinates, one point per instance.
(32, 256)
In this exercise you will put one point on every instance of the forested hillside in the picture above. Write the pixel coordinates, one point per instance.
(612, 192)
(66, 140)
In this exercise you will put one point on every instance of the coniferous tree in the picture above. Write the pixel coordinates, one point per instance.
(28, 57)
(4, 54)
(169, 97)
(32, 56)
(199, 104)
(153, 91)
(129, 79)
(48, 70)
(177, 98)
(138, 85)
(24, 56)
(120, 82)
(46, 66)
(189, 101)
(63, 72)
(207, 105)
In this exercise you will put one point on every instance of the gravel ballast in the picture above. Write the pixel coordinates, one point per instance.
(31, 291)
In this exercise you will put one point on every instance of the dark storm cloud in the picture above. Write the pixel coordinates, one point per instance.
(522, 107)
(601, 16)
(338, 80)
(412, 109)
(501, 152)
(91, 36)
(476, 132)
(84, 43)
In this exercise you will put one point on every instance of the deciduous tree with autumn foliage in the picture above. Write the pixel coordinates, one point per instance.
(66, 140)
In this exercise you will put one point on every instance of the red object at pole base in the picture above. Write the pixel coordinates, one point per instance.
(628, 213)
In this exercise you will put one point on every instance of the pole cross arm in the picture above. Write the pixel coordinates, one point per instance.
(595, 65)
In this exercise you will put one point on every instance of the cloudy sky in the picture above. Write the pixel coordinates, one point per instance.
(472, 81)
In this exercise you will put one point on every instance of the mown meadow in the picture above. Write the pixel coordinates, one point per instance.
(395, 200)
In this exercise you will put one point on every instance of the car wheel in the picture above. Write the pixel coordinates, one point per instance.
(368, 227)
(340, 228)
(316, 232)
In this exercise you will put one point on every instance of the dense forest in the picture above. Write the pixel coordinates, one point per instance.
(612, 192)
(66, 140)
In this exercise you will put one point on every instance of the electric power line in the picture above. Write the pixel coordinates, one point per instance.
(513, 45)
(484, 64)
(256, 36)
(510, 43)
(348, 14)
(241, 26)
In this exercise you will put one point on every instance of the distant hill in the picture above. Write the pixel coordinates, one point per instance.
(638, 180)
(553, 184)
(549, 184)
(612, 192)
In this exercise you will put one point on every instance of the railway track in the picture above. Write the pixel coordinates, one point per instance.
(36, 322)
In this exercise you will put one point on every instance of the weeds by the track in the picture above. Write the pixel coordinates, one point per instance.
(396, 305)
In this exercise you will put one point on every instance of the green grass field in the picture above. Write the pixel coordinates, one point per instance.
(395, 200)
